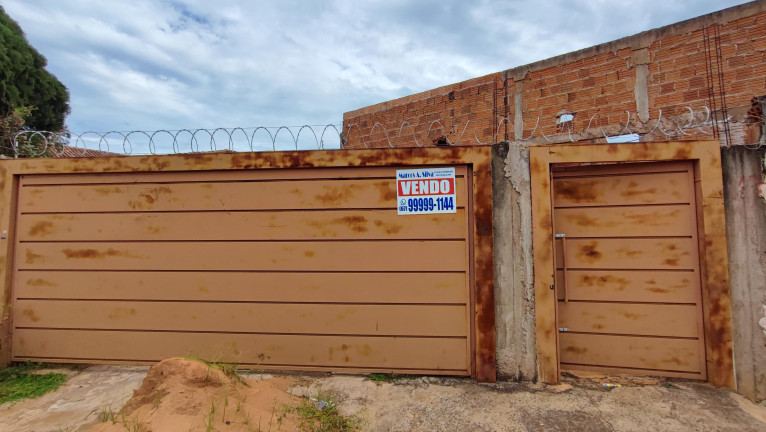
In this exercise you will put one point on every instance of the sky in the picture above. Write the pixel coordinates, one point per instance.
(188, 64)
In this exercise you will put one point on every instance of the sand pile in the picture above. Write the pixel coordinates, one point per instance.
(188, 395)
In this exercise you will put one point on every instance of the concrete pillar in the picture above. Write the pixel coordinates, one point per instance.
(514, 293)
(640, 61)
(746, 237)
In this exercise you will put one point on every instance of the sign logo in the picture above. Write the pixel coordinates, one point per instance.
(425, 191)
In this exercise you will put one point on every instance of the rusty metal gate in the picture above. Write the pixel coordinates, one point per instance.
(281, 268)
(628, 274)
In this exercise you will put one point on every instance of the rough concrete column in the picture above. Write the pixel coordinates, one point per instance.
(746, 237)
(640, 61)
(514, 293)
(518, 118)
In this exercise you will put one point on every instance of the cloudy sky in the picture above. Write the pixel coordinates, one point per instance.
(156, 64)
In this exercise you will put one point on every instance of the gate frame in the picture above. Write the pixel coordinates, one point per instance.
(714, 267)
(478, 159)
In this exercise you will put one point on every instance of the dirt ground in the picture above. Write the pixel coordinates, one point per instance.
(178, 395)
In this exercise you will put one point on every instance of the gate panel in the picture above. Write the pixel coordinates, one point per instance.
(295, 269)
(627, 270)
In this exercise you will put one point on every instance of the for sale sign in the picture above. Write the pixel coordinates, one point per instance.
(425, 191)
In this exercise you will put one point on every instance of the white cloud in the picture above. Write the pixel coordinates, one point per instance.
(147, 64)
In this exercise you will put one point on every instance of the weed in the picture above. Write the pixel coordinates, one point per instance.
(210, 418)
(322, 415)
(379, 377)
(134, 424)
(19, 382)
(106, 414)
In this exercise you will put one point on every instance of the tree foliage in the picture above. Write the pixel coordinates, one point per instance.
(30, 96)
(24, 82)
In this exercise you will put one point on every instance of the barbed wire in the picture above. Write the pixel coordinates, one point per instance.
(165, 141)
(331, 136)
(699, 121)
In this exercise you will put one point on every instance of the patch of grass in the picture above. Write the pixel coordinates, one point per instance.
(322, 415)
(379, 377)
(20, 382)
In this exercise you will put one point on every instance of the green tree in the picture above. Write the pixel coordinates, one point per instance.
(24, 84)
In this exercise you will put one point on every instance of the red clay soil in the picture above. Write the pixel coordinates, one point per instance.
(187, 395)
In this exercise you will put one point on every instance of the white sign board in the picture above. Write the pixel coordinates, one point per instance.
(425, 191)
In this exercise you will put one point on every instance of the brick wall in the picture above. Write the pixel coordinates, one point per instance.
(604, 86)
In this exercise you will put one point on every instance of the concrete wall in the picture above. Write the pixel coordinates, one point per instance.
(746, 232)
(514, 290)
(662, 69)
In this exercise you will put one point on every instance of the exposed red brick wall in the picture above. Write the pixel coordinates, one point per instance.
(473, 100)
(598, 84)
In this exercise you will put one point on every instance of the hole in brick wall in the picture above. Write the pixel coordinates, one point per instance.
(442, 141)
(564, 121)
(451, 96)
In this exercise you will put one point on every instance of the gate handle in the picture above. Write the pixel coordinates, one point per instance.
(563, 238)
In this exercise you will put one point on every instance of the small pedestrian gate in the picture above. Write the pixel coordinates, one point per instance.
(628, 276)
(294, 268)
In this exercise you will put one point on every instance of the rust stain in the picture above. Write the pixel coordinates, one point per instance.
(387, 191)
(653, 219)
(203, 289)
(682, 153)
(389, 228)
(148, 198)
(153, 230)
(633, 316)
(677, 361)
(93, 253)
(122, 313)
(634, 193)
(39, 282)
(575, 350)
(195, 159)
(309, 254)
(588, 252)
(356, 223)
(671, 262)
(629, 253)
(334, 196)
(658, 290)
(583, 220)
(33, 257)
(605, 280)
(29, 313)
(41, 228)
(576, 191)
(364, 350)
(103, 191)
(598, 326)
